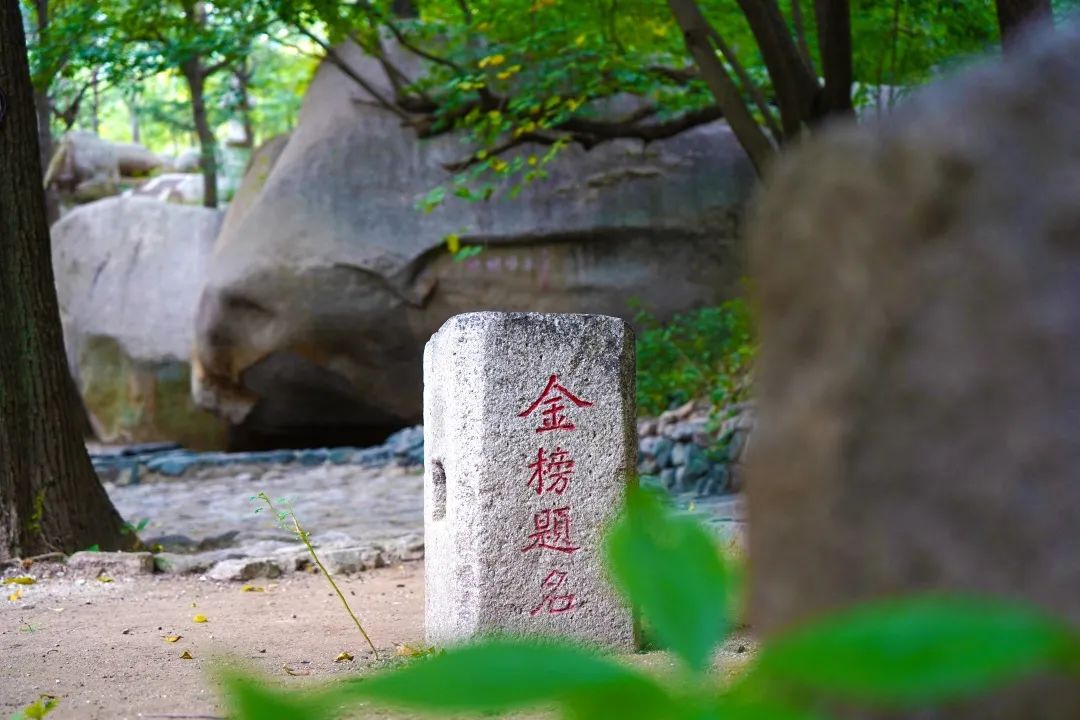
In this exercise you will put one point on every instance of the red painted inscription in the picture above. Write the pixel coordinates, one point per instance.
(551, 473)
(552, 532)
(551, 400)
(554, 602)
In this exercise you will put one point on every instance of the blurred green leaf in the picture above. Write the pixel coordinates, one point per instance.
(672, 572)
(249, 699)
(918, 650)
(501, 674)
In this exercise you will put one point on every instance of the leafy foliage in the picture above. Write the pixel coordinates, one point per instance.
(917, 651)
(704, 353)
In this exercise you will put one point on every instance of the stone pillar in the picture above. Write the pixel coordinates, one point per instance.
(529, 445)
(918, 384)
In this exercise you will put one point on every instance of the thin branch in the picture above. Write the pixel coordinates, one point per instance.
(800, 35)
(408, 45)
(340, 63)
(466, 11)
(676, 75)
(696, 33)
(751, 87)
(589, 133)
(795, 88)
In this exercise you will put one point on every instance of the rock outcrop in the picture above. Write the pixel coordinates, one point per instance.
(128, 274)
(86, 167)
(327, 282)
(918, 383)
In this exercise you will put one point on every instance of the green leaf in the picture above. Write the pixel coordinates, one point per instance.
(734, 706)
(250, 700)
(919, 650)
(501, 674)
(672, 572)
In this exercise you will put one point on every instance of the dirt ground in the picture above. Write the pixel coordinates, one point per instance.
(101, 647)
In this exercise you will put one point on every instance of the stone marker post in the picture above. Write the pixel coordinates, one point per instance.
(529, 445)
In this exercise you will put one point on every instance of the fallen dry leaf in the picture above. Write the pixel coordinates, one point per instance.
(186, 656)
(15, 595)
(343, 656)
(289, 670)
(20, 580)
(252, 588)
(104, 579)
(410, 651)
(199, 619)
(172, 638)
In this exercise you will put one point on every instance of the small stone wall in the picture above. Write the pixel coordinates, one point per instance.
(686, 450)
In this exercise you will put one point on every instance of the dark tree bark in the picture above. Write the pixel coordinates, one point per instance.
(243, 80)
(1014, 16)
(50, 498)
(698, 35)
(95, 104)
(834, 39)
(43, 105)
(793, 82)
(195, 74)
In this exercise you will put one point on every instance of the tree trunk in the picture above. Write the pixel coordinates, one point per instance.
(43, 108)
(243, 78)
(196, 80)
(50, 498)
(698, 36)
(1014, 16)
(133, 116)
(95, 104)
(795, 87)
(43, 105)
(834, 40)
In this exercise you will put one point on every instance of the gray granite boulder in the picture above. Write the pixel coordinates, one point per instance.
(327, 282)
(128, 274)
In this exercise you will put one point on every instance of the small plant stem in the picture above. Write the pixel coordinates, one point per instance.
(303, 535)
(330, 579)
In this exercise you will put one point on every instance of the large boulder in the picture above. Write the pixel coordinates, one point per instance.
(134, 160)
(86, 167)
(183, 188)
(128, 275)
(325, 287)
(919, 375)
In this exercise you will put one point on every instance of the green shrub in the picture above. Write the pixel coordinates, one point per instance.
(892, 654)
(706, 353)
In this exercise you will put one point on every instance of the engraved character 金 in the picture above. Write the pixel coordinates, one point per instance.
(553, 602)
(554, 470)
(552, 398)
(552, 532)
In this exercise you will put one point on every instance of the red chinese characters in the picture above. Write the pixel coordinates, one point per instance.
(551, 473)
(552, 532)
(551, 399)
(554, 602)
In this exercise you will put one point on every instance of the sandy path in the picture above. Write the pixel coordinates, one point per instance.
(101, 648)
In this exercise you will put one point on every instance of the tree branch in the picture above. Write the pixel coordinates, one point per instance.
(697, 34)
(800, 35)
(834, 39)
(340, 63)
(750, 86)
(792, 82)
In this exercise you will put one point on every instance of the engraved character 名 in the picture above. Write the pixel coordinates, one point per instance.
(554, 602)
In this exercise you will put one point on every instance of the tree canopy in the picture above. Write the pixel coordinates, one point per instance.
(518, 73)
